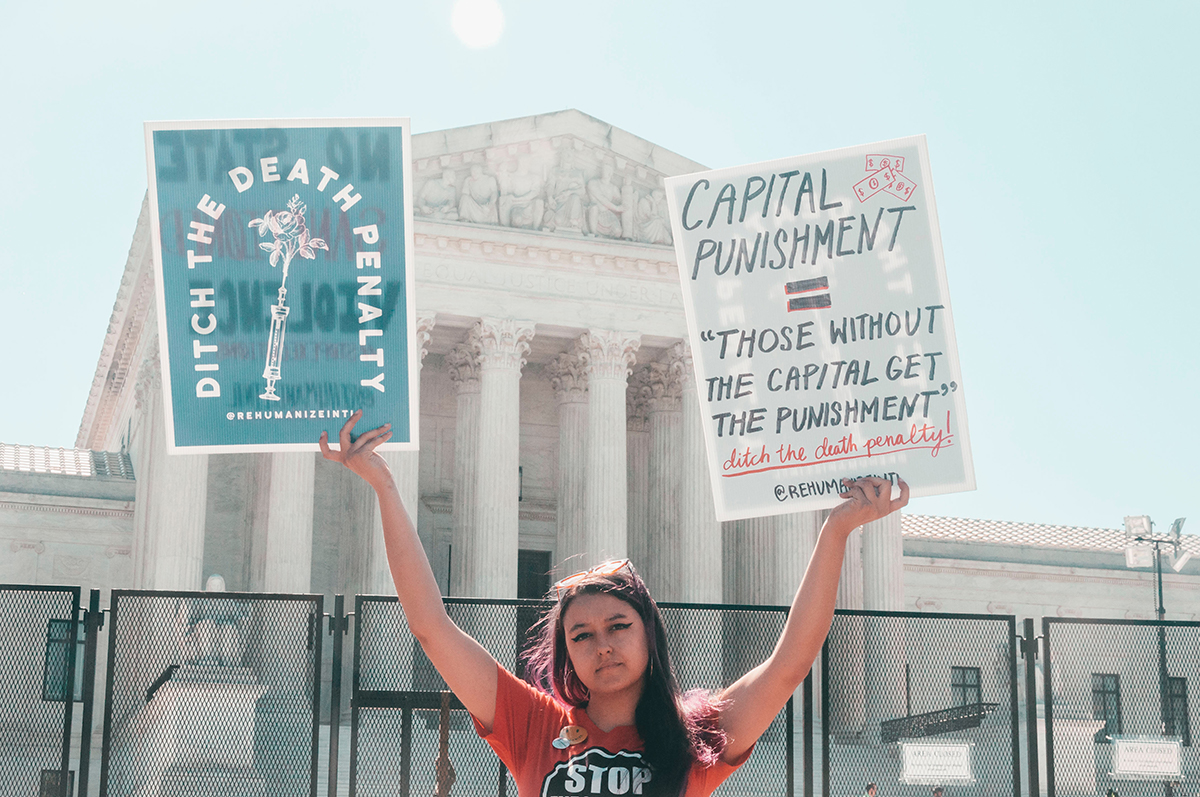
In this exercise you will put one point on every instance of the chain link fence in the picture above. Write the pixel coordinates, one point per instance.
(212, 695)
(914, 701)
(397, 728)
(1113, 682)
(39, 689)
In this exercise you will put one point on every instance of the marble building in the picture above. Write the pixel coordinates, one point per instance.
(558, 426)
(558, 418)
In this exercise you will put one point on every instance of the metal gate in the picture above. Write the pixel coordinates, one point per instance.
(1112, 682)
(212, 694)
(42, 681)
(915, 700)
(409, 736)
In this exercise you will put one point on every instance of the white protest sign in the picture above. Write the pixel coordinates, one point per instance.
(936, 762)
(820, 323)
(1145, 759)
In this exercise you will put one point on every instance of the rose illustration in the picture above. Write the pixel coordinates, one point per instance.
(291, 234)
(291, 239)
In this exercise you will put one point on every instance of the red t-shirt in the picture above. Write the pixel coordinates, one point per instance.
(603, 765)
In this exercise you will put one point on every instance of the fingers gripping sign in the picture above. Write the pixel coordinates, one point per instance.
(358, 453)
(869, 499)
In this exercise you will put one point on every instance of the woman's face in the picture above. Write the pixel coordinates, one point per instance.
(606, 640)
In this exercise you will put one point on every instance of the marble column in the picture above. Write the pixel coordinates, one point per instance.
(667, 576)
(770, 555)
(751, 548)
(637, 454)
(282, 527)
(609, 355)
(847, 697)
(751, 552)
(568, 378)
(850, 585)
(504, 344)
(462, 363)
(171, 495)
(405, 467)
(883, 565)
(883, 637)
(796, 541)
(700, 531)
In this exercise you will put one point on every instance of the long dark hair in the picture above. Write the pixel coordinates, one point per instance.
(677, 729)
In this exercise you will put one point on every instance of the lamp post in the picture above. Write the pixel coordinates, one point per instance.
(1138, 535)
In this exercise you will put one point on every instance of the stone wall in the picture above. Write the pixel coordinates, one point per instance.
(72, 530)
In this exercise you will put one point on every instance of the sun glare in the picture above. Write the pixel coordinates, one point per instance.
(477, 23)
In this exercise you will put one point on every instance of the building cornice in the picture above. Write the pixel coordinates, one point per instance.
(125, 511)
(133, 306)
(510, 134)
(551, 251)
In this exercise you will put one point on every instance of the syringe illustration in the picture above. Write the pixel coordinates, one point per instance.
(291, 239)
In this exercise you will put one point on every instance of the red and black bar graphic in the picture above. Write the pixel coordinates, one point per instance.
(814, 302)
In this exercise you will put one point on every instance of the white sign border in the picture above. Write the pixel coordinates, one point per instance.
(959, 398)
(920, 780)
(414, 414)
(1147, 777)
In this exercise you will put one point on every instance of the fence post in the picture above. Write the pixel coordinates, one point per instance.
(790, 752)
(337, 628)
(445, 771)
(68, 693)
(315, 639)
(93, 621)
(825, 718)
(1029, 647)
(808, 735)
(1048, 699)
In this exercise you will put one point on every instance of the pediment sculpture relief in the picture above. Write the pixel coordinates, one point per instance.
(438, 197)
(480, 193)
(558, 190)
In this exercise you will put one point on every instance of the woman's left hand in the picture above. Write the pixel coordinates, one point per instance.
(867, 499)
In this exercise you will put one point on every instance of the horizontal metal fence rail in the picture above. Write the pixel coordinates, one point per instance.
(402, 732)
(212, 693)
(38, 643)
(1107, 679)
(898, 685)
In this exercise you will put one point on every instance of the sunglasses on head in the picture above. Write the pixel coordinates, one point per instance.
(602, 569)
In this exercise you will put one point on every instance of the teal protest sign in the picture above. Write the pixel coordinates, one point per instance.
(285, 287)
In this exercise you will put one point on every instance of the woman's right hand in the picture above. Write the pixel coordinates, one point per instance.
(358, 453)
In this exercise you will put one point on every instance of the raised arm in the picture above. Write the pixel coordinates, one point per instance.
(469, 670)
(753, 700)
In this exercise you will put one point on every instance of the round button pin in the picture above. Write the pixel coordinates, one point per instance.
(569, 736)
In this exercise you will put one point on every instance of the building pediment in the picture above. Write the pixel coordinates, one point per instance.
(553, 193)
(563, 174)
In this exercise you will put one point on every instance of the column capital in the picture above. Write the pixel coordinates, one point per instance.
(609, 353)
(462, 364)
(567, 373)
(679, 357)
(504, 342)
(635, 401)
(663, 387)
(425, 322)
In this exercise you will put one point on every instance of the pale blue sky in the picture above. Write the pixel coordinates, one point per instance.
(1062, 139)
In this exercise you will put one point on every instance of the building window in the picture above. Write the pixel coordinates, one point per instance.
(964, 686)
(1177, 711)
(1106, 704)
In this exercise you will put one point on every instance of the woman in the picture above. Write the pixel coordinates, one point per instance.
(616, 723)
